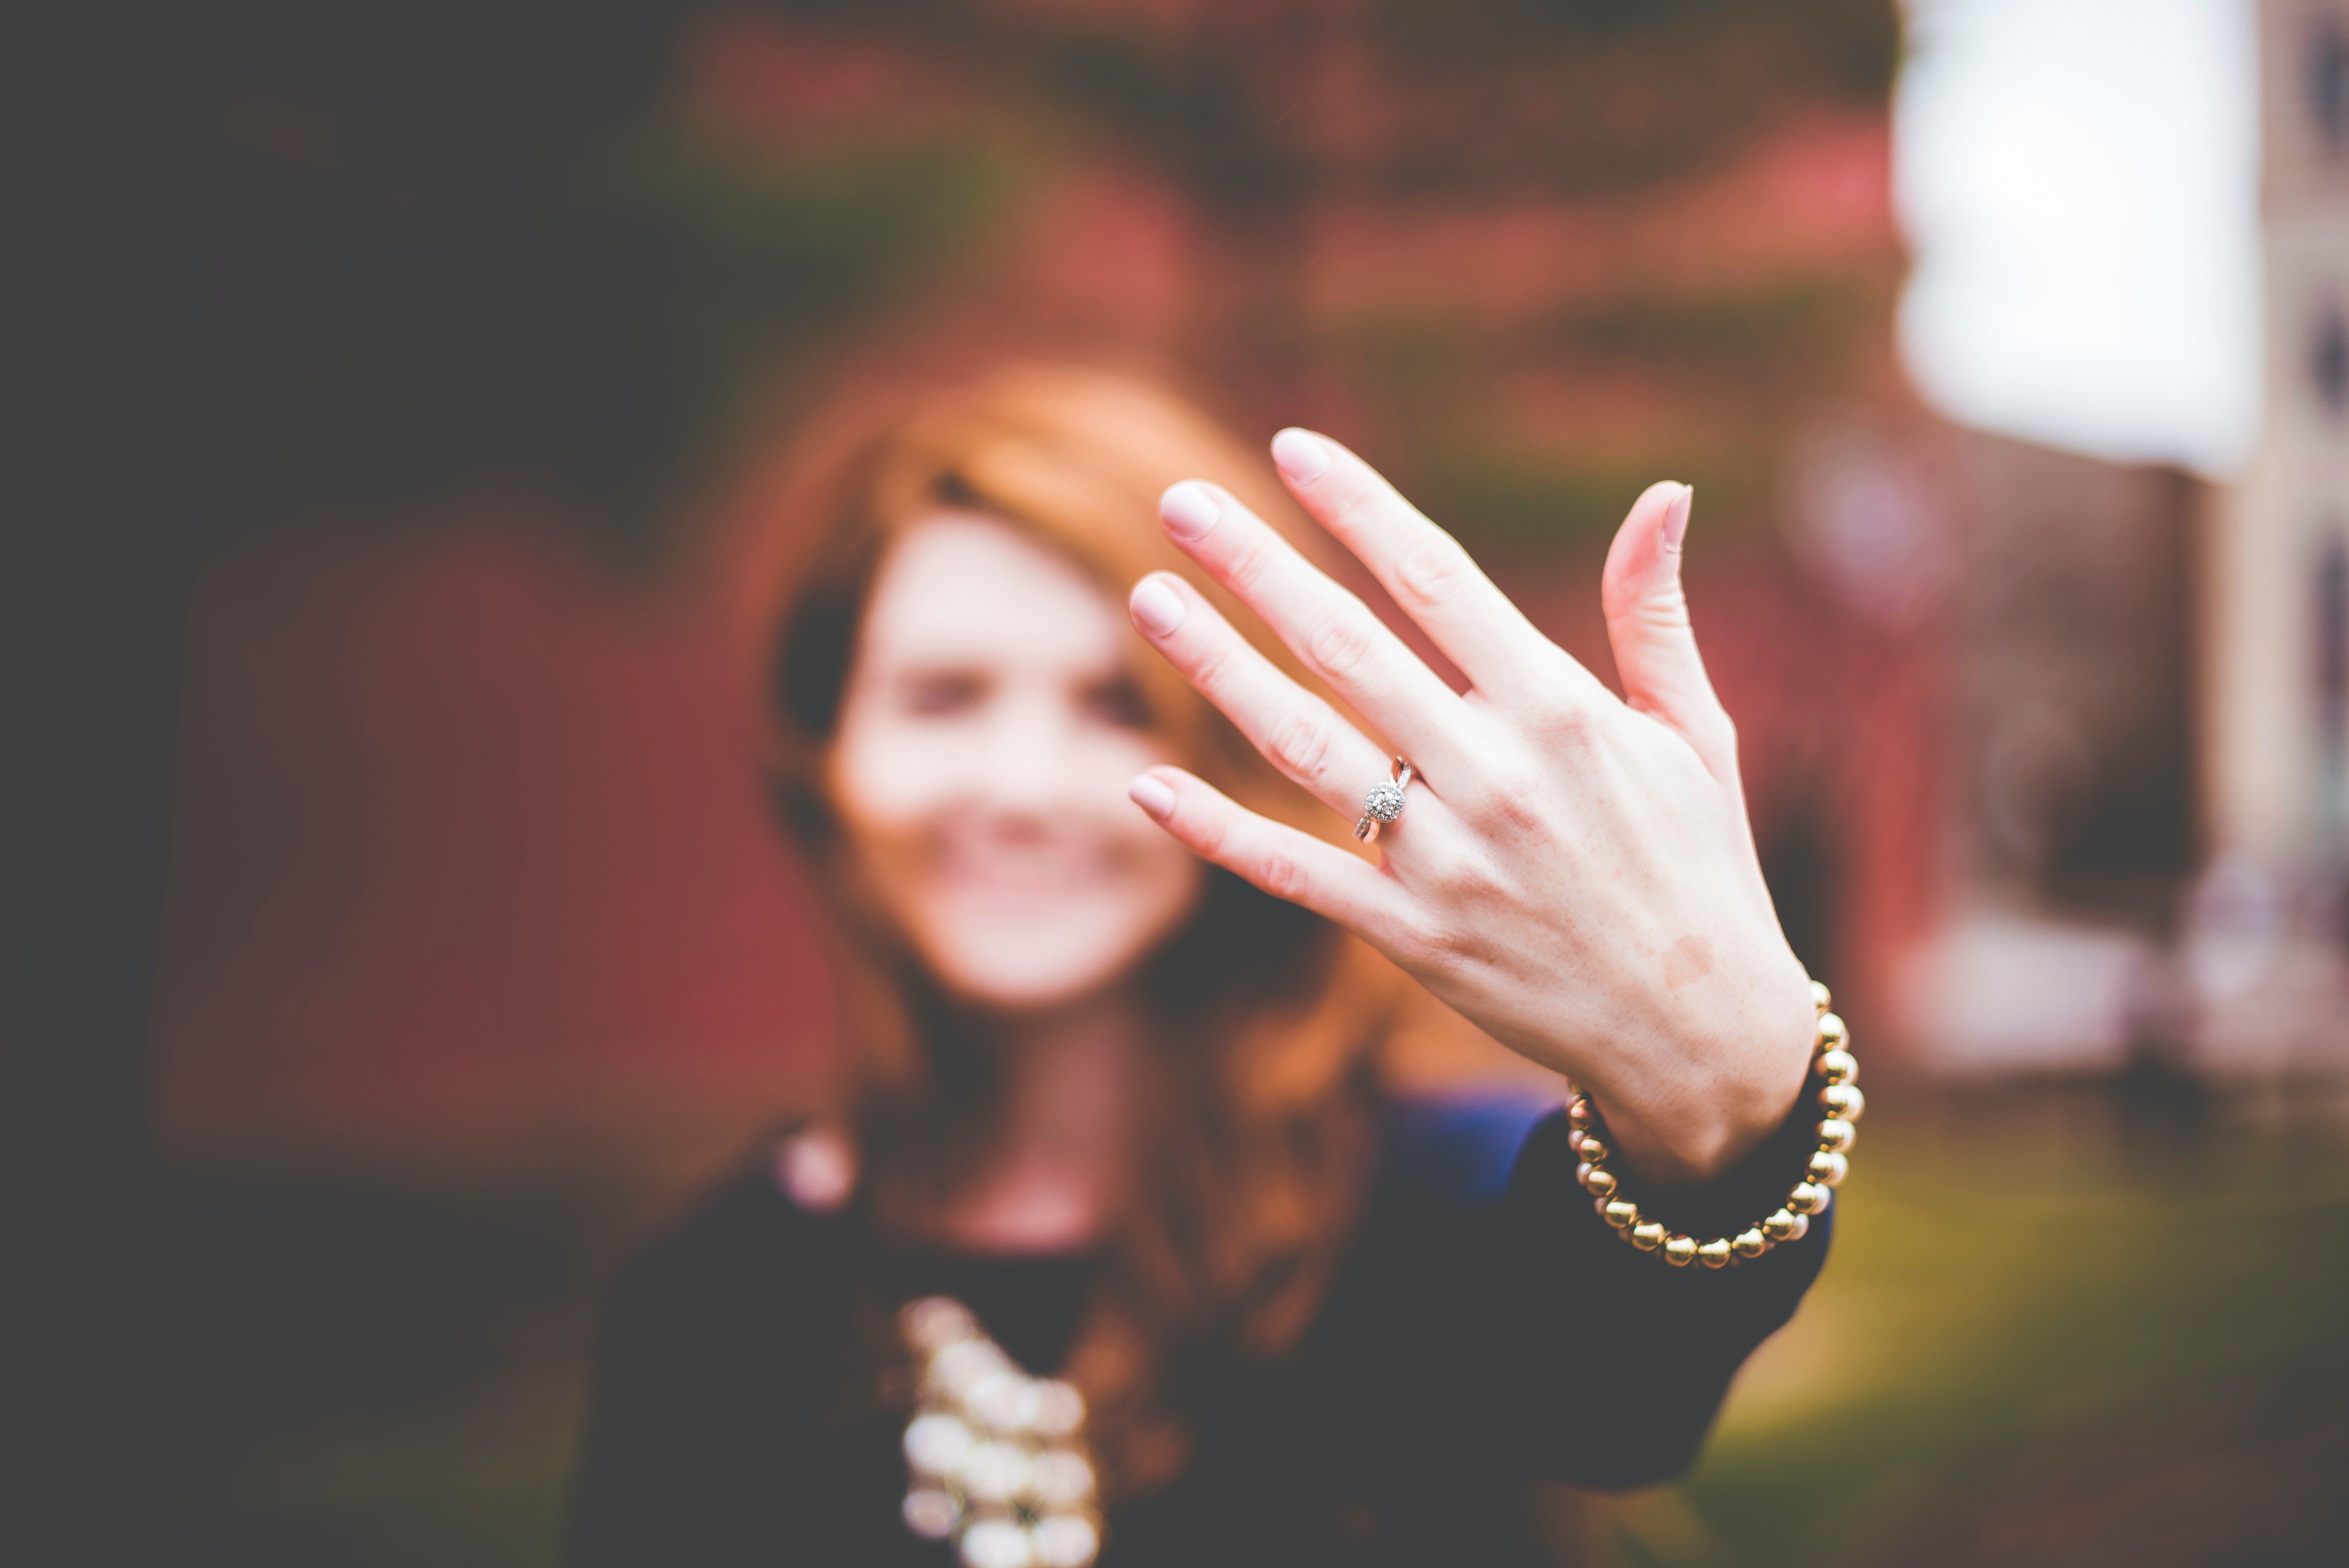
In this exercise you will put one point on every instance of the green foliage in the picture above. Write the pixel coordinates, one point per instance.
(748, 258)
(1595, 94)
(2001, 1307)
(1509, 505)
(1799, 330)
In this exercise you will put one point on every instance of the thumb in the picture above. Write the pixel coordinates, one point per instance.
(1648, 627)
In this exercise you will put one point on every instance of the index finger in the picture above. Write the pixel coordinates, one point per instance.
(1329, 628)
(1434, 581)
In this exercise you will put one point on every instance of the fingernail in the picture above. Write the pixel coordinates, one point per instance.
(1157, 609)
(1152, 796)
(1190, 510)
(1676, 517)
(1303, 456)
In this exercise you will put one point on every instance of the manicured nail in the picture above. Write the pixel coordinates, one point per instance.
(1303, 456)
(1190, 510)
(1157, 609)
(1676, 516)
(1152, 796)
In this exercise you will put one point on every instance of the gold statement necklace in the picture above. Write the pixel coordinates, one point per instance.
(997, 1460)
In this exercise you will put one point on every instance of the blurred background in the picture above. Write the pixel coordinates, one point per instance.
(407, 938)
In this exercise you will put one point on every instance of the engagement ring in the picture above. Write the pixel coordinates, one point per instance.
(1384, 804)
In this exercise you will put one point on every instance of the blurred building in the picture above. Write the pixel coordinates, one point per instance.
(2280, 601)
(2150, 679)
(2074, 828)
(2265, 938)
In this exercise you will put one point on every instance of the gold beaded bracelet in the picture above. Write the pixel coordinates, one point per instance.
(1841, 1099)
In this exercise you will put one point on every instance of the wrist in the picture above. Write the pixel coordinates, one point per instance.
(1722, 1099)
(1812, 1152)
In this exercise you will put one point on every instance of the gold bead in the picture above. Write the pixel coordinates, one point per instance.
(1622, 1213)
(1679, 1252)
(1802, 1227)
(1713, 1254)
(1581, 1114)
(1808, 1198)
(1828, 1168)
(1647, 1235)
(1821, 997)
(1835, 1136)
(1838, 1066)
(1749, 1245)
(1832, 1032)
(1843, 1102)
(1597, 1183)
(1593, 1151)
(1781, 1225)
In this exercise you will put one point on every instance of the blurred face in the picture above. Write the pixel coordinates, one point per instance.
(986, 737)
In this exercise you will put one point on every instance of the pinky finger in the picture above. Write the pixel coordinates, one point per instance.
(1275, 857)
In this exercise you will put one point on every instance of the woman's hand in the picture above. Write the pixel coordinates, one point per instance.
(1572, 873)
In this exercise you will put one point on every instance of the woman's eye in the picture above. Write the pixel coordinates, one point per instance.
(1117, 702)
(939, 694)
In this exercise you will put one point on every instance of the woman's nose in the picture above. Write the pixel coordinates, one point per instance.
(1031, 763)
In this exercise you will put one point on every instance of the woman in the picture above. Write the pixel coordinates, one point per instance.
(1111, 1240)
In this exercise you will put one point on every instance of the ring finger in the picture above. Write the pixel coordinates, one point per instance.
(1297, 731)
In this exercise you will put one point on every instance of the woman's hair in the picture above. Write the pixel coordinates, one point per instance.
(1251, 1158)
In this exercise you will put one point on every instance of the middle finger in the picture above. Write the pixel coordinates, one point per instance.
(1297, 731)
(1329, 628)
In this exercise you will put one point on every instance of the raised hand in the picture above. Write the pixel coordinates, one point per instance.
(1572, 873)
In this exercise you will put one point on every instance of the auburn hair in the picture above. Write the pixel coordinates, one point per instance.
(1252, 1160)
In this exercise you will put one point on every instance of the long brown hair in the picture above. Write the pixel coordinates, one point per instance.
(1249, 1171)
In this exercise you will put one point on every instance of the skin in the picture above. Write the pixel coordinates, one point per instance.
(1573, 873)
(988, 730)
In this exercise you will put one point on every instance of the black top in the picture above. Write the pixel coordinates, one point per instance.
(1484, 1330)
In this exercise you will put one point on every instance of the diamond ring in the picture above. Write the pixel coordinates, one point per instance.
(1384, 804)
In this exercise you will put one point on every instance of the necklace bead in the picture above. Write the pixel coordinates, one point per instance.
(995, 1459)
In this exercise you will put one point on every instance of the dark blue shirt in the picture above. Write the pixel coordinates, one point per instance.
(1484, 1330)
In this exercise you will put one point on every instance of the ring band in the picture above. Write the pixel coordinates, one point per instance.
(1384, 804)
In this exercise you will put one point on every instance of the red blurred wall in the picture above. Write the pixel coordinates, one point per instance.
(470, 846)
(470, 851)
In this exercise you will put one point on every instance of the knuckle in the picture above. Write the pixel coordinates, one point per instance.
(1457, 947)
(1246, 567)
(1443, 946)
(1512, 799)
(1455, 882)
(1668, 616)
(1207, 837)
(1340, 644)
(1302, 745)
(1559, 717)
(1433, 573)
(1211, 671)
(1423, 940)
(1717, 732)
(1508, 778)
(1279, 874)
(1353, 502)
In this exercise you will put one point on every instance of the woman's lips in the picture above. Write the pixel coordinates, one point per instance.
(1023, 877)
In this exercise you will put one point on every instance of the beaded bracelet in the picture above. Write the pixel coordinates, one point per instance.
(1841, 1099)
